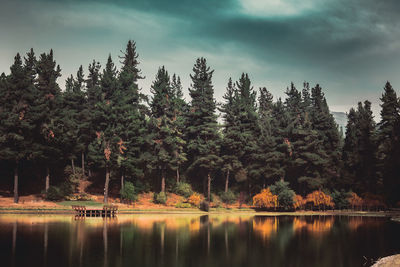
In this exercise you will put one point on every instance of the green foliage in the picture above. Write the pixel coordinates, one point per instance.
(183, 205)
(142, 186)
(340, 198)
(102, 122)
(183, 189)
(284, 193)
(160, 198)
(54, 193)
(360, 150)
(389, 144)
(128, 192)
(202, 129)
(228, 197)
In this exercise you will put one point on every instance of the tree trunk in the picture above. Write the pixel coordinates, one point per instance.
(122, 181)
(106, 185)
(16, 183)
(73, 166)
(177, 175)
(163, 180)
(227, 181)
(122, 184)
(89, 173)
(83, 163)
(47, 179)
(209, 187)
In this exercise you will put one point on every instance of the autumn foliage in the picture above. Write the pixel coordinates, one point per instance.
(298, 202)
(355, 200)
(319, 198)
(265, 199)
(194, 199)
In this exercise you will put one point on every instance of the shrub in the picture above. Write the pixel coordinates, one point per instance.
(205, 206)
(298, 202)
(54, 193)
(284, 193)
(319, 198)
(194, 200)
(354, 200)
(84, 197)
(340, 198)
(183, 189)
(183, 205)
(160, 198)
(265, 199)
(67, 188)
(74, 179)
(128, 192)
(228, 197)
(372, 201)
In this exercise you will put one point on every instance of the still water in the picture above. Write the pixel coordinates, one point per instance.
(195, 240)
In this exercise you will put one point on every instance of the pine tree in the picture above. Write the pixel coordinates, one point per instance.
(248, 128)
(46, 148)
(367, 149)
(271, 151)
(389, 143)
(179, 107)
(73, 112)
(202, 127)
(130, 115)
(360, 151)
(305, 168)
(17, 97)
(230, 143)
(349, 152)
(104, 150)
(93, 96)
(162, 129)
(324, 123)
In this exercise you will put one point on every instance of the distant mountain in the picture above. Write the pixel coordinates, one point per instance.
(340, 118)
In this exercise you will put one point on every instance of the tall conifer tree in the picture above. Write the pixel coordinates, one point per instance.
(46, 108)
(202, 127)
(389, 143)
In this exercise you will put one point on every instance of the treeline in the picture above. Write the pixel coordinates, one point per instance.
(103, 127)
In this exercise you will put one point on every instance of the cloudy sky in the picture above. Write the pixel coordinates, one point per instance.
(350, 47)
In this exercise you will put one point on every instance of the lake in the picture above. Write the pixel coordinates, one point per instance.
(195, 240)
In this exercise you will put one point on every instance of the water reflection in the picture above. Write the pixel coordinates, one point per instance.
(194, 240)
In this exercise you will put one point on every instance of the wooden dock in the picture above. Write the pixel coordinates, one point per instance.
(106, 211)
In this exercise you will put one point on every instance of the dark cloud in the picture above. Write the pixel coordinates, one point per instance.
(350, 46)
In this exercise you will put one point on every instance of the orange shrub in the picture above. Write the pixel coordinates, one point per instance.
(355, 200)
(373, 201)
(319, 198)
(194, 199)
(265, 199)
(298, 201)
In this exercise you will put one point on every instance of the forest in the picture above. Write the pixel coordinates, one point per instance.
(104, 129)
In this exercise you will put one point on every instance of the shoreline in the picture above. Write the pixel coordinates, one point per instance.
(394, 215)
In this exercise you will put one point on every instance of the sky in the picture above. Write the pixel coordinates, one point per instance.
(350, 47)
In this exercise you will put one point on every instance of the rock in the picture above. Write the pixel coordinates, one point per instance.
(390, 261)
